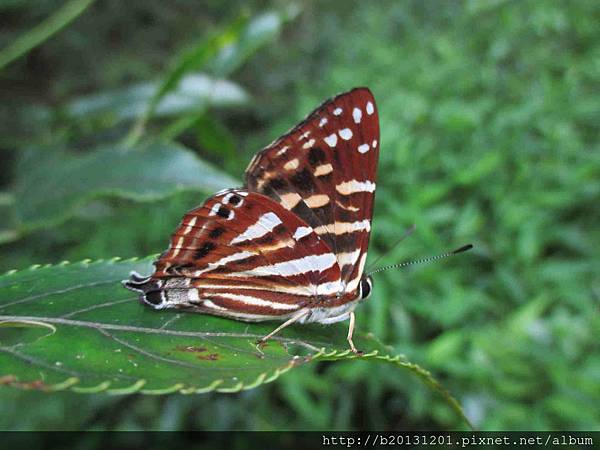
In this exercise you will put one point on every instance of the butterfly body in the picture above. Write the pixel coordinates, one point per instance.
(292, 244)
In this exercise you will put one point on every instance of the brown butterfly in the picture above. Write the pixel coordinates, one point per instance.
(292, 244)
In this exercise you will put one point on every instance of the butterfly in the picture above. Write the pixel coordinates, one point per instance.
(291, 245)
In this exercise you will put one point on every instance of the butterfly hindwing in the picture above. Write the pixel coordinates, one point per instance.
(242, 254)
(324, 170)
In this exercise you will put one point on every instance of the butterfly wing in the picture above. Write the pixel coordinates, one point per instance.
(241, 255)
(324, 171)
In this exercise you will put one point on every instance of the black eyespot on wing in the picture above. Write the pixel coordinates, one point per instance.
(223, 212)
(204, 250)
(234, 200)
(214, 234)
(154, 297)
(316, 156)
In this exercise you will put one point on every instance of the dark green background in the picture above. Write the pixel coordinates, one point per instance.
(489, 113)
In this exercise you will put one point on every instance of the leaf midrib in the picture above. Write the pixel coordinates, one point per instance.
(135, 329)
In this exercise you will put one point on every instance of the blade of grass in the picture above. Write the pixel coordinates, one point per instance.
(44, 31)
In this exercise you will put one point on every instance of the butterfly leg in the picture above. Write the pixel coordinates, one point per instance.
(288, 322)
(350, 333)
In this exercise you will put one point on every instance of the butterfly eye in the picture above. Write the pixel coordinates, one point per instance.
(366, 286)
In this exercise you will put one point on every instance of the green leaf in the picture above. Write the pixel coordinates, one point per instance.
(215, 138)
(73, 326)
(194, 92)
(52, 186)
(37, 35)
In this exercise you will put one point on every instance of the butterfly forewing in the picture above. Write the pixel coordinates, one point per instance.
(324, 170)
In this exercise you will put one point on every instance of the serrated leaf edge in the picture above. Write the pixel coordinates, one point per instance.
(423, 374)
(82, 263)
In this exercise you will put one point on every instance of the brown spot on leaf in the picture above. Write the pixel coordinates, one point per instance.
(7, 379)
(209, 357)
(191, 349)
(37, 385)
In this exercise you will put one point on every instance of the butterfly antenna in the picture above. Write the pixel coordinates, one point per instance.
(406, 234)
(464, 248)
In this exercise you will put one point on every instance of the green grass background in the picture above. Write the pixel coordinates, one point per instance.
(489, 134)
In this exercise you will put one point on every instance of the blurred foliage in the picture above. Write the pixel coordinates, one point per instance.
(489, 113)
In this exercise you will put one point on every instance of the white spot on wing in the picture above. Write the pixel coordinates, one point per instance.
(363, 148)
(347, 208)
(310, 263)
(190, 225)
(177, 247)
(331, 140)
(302, 232)
(348, 258)
(353, 186)
(337, 111)
(316, 201)
(308, 144)
(357, 115)
(289, 200)
(280, 243)
(291, 165)
(370, 108)
(264, 225)
(329, 288)
(344, 227)
(305, 290)
(322, 122)
(223, 261)
(255, 301)
(211, 305)
(353, 284)
(323, 169)
(346, 134)
(214, 209)
(374, 144)
(283, 150)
